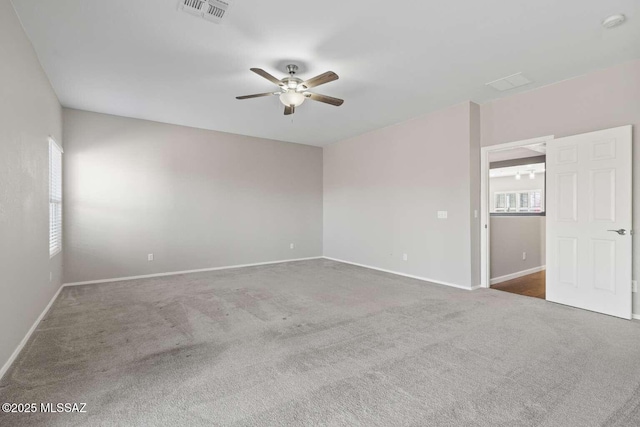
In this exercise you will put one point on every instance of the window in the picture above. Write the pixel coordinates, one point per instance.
(518, 201)
(530, 201)
(55, 198)
(524, 200)
(505, 202)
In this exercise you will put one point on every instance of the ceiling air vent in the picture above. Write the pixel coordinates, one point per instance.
(509, 82)
(192, 6)
(211, 10)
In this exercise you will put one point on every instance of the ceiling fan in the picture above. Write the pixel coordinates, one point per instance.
(293, 91)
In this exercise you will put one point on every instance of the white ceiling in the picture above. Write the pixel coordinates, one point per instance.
(396, 60)
(524, 170)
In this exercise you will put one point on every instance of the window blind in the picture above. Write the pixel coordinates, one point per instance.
(55, 198)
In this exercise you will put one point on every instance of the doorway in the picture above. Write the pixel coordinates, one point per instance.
(495, 154)
(588, 234)
(517, 184)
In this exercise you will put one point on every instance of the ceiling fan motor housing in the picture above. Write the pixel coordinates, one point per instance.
(291, 83)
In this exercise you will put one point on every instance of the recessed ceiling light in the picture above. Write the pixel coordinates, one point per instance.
(613, 21)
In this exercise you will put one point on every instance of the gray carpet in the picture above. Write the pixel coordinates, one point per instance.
(323, 343)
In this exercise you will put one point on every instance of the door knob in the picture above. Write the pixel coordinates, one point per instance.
(621, 232)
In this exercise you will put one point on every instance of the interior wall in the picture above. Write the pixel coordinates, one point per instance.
(600, 100)
(475, 187)
(383, 189)
(194, 198)
(510, 237)
(29, 114)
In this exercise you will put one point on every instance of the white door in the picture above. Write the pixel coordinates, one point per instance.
(589, 221)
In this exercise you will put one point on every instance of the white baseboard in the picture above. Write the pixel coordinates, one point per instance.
(424, 279)
(17, 351)
(173, 273)
(517, 274)
(636, 316)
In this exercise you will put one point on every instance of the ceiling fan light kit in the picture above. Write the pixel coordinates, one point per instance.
(292, 98)
(293, 91)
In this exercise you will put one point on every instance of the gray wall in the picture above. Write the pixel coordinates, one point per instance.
(382, 191)
(194, 198)
(600, 100)
(510, 237)
(29, 113)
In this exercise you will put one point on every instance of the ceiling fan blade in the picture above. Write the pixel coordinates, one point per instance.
(257, 95)
(289, 109)
(263, 73)
(327, 77)
(324, 98)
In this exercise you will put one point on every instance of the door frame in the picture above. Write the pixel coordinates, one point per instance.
(485, 223)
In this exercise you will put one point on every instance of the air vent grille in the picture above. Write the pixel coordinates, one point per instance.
(215, 12)
(192, 6)
(211, 10)
(510, 82)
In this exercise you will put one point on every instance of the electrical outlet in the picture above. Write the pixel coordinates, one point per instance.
(291, 246)
(634, 286)
(150, 257)
(405, 257)
(524, 256)
(475, 213)
(443, 214)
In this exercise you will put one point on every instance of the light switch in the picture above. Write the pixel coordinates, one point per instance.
(442, 214)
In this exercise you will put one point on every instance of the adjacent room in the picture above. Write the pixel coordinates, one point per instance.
(518, 225)
(249, 213)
